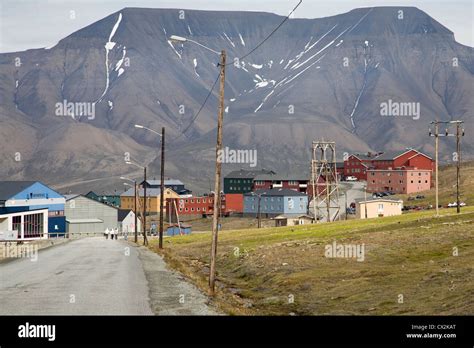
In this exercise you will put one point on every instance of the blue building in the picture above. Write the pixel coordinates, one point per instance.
(178, 229)
(176, 185)
(16, 196)
(274, 202)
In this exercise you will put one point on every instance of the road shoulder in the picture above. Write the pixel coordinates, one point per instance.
(170, 293)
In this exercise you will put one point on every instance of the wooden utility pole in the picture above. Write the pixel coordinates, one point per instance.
(145, 241)
(437, 165)
(136, 213)
(258, 213)
(459, 133)
(217, 185)
(162, 185)
(365, 203)
(458, 166)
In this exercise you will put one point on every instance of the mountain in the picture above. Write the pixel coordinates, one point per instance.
(313, 78)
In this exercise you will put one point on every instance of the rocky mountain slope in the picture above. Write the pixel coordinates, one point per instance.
(314, 78)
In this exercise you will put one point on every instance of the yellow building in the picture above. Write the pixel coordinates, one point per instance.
(127, 199)
(378, 207)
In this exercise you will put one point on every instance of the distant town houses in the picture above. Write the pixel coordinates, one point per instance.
(107, 197)
(405, 171)
(32, 210)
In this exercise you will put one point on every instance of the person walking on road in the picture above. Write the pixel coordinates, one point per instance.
(107, 233)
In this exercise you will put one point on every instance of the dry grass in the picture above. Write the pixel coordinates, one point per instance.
(409, 255)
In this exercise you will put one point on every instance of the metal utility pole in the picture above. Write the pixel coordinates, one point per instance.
(459, 133)
(217, 187)
(145, 240)
(162, 186)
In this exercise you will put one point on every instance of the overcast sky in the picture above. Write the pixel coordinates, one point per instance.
(41, 23)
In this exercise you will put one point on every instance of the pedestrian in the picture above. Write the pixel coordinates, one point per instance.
(107, 233)
(116, 233)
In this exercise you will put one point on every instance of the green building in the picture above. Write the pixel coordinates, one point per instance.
(241, 181)
(110, 198)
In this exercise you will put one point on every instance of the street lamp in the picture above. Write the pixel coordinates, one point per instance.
(135, 201)
(162, 183)
(145, 241)
(217, 187)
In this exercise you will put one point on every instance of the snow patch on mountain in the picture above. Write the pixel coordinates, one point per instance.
(109, 46)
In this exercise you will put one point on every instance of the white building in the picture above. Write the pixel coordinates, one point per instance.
(24, 225)
(126, 221)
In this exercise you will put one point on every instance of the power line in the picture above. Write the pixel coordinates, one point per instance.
(241, 58)
(200, 108)
(269, 35)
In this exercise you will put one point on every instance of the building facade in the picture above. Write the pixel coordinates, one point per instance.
(379, 207)
(401, 181)
(194, 207)
(23, 225)
(127, 199)
(18, 196)
(110, 198)
(241, 181)
(126, 221)
(85, 215)
(275, 202)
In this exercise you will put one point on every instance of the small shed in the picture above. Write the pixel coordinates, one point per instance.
(283, 220)
(178, 229)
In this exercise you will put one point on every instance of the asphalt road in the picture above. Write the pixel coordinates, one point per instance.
(94, 276)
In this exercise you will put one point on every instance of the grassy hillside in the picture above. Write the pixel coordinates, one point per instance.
(260, 271)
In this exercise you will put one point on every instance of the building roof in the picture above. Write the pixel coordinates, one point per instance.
(248, 174)
(276, 192)
(285, 217)
(169, 182)
(122, 214)
(72, 196)
(104, 193)
(9, 188)
(278, 177)
(149, 192)
(83, 221)
(379, 199)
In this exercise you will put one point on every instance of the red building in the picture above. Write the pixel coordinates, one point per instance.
(231, 203)
(271, 181)
(234, 203)
(193, 206)
(358, 165)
